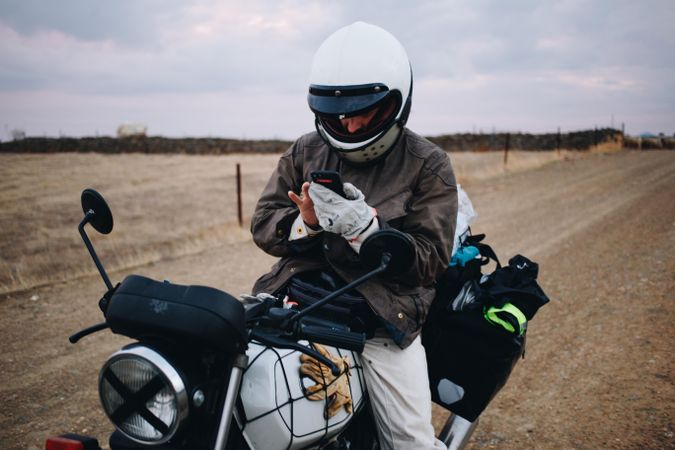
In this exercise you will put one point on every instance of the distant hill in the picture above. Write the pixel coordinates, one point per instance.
(577, 140)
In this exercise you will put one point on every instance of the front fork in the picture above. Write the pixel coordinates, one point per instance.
(457, 432)
(239, 365)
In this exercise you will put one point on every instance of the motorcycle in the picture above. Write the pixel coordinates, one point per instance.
(209, 371)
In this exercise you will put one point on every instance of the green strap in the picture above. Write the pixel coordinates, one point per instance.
(492, 317)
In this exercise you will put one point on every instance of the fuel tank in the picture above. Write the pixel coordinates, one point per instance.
(274, 411)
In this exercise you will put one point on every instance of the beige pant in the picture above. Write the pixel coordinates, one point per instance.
(398, 384)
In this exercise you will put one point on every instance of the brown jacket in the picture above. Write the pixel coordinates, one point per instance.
(413, 190)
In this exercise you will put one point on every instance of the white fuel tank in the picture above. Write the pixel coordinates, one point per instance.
(276, 414)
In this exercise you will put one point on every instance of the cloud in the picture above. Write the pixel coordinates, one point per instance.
(530, 64)
(207, 46)
(125, 22)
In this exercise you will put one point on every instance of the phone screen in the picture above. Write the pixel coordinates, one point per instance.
(329, 179)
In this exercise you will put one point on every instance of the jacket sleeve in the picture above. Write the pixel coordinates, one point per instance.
(275, 212)
(431, 222)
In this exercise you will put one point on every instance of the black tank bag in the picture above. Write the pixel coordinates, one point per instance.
(350, 309)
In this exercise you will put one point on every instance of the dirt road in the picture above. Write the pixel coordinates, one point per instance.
(598, 371)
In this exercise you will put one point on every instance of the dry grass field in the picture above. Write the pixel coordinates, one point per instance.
(598, 371)
(164, 206)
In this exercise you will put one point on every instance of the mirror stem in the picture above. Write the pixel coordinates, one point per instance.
(384, 263)
(87, 242)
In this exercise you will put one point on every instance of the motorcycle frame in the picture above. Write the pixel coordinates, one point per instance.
(455, 433)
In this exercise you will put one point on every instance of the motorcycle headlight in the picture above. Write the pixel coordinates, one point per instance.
(143, 395)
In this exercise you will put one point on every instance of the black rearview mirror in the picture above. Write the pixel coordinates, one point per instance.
(397, 247)
(102, 219)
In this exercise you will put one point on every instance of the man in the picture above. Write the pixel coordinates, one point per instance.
(360, 92)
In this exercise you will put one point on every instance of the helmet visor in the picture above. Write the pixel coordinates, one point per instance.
(345, 99)
(362, 124)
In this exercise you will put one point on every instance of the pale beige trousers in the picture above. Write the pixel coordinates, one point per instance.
(398, 384)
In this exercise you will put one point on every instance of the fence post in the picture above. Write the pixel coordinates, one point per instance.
(558, 140)
(507, 144)
(239, 209)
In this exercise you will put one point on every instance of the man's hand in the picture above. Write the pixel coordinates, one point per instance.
(305, 205)
(347, 217)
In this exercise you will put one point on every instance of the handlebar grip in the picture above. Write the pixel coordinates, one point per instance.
(338, 338)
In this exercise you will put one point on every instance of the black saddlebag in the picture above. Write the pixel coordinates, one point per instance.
(469, 360)
(476, 329)
(144, 308)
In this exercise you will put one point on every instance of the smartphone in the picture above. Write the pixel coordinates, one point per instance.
(329, 179)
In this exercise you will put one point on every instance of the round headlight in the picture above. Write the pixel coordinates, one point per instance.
(143, 395)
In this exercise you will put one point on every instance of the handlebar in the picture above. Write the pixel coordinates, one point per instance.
(330, 336)
(282, 322)
(273, 333)
(279, 340)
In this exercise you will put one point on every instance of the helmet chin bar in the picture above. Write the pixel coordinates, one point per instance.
(369, 153)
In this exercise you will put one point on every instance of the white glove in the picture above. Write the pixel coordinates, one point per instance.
(347, 217)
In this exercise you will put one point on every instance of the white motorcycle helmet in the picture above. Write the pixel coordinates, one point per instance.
(361, 69)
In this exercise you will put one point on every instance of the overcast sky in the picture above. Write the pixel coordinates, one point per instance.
(240, 68)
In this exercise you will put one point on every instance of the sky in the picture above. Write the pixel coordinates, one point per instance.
(240, 69)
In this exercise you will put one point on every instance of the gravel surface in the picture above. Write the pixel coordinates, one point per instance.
(598, 368)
